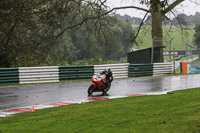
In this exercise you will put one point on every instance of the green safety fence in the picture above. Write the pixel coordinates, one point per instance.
(75, 72)
(9, 76)
(139, 70)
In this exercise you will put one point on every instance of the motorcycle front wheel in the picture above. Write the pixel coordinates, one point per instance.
(90, 90)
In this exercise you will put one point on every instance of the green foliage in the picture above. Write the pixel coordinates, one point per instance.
(63, 53)
(96, 60)
(64, 31)
(112, 42)
(70, 60)
(92, 61)
(57, 61)
(175, 112)
(29, 29)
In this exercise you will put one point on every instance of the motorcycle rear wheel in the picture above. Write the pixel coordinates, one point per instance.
(90, 90)
(106, 89)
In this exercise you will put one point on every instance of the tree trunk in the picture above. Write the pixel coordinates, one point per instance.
(157, 30)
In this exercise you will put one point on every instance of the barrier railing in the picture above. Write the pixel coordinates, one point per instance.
(119, 70)
(9, 76)
(44, 74)
(27, 75)
(75, 72)
(162, 69)
(138, 70)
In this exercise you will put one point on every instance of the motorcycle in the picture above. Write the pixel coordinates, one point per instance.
(98, 84)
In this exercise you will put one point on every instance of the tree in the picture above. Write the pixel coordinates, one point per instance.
(27, 31)
(127, 33)
(30, 28)
(158, 10)
(112, 39)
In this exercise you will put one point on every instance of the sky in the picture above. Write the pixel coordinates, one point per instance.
(186, 7)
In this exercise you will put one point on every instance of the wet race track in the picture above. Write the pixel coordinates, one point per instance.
(27, 95)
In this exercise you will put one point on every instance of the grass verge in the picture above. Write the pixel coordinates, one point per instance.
(177, 111)
(196, 63)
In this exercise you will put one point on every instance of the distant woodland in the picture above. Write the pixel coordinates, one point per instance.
(184, 19)
(38, 33)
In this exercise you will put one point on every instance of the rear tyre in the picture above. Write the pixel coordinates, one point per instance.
(106, 89)
(90, 90)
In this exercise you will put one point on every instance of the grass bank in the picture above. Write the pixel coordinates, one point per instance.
(179, 37)
(177, 111)
(196, 63)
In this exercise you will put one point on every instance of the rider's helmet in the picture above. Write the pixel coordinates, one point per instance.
(107, 69)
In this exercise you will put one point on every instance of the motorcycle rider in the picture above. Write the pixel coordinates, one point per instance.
(109, 76)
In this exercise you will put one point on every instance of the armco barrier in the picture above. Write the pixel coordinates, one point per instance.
(9, 76)
(27, 75)
(75, 72)
(139, 70)
(119, 70)
(162, 69)
(44, 74)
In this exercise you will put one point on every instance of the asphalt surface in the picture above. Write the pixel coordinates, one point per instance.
(27, 95)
